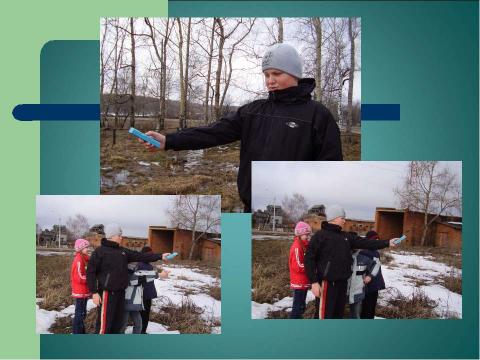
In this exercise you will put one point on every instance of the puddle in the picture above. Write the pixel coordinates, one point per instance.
(120, 178)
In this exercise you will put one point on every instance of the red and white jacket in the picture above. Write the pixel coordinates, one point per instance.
(298, 278)
(78, 276)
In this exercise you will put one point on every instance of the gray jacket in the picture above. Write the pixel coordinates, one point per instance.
(134, 291)
(362, 266)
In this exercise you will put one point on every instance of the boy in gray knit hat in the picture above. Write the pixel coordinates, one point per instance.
(287, 126)
(328, 262)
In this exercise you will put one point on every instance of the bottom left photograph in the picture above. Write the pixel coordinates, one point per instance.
(108, 264)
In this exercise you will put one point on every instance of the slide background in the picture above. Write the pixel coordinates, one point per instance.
(422, 55)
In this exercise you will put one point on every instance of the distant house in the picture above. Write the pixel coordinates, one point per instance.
(275, 213)
(318, 210)
(361, 227)
(315, 221)
(445, 231)
(54, 237)
(162, 239)
(260, 219)
(133, 242)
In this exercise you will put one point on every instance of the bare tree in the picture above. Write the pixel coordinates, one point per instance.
(133, 79)
(161, 55)
(229, 70)
(295, 207)
(280, 29)
(317, 23)
(352, 34)
(78, 226)
(198, 213)
(209, 73)
(429, 189)
(38, 232)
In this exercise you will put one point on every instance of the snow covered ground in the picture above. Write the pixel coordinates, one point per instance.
(50, 253)
(400, 274)
(271, 237)
(182, 280)
(182, 284)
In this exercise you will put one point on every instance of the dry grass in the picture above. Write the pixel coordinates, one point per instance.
(63, 325)
(417, 306)
(215, 292)
(351, 147)
(270, 274)
(53, 281)
(186, 318)
(452, 282)
(214, 175)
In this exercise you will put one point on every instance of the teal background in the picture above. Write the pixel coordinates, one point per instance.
(69, 150)
(423, 55)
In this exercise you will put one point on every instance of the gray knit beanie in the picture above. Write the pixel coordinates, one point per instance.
(335, 211)
(283, 57)
(112, 229)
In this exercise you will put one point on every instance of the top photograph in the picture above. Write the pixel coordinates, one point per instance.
(188, 103)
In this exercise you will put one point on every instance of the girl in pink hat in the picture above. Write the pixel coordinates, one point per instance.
(299, 282)
(78, 280)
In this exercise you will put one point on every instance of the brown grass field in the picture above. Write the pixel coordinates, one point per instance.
(128, 168)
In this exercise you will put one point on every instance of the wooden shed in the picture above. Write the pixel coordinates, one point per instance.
(392, 223)
(449, 235)
(162, 239)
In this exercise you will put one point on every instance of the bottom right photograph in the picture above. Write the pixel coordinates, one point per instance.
(356, 240)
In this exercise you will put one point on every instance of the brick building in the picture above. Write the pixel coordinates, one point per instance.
(162, 239)
(361, 227)
(445, 231)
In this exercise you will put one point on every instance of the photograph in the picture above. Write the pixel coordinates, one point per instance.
(186, 104)
(357, 240)
(111, 264)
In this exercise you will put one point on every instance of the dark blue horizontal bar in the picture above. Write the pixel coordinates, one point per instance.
(380, 112)
(89, 112)
(57, 112)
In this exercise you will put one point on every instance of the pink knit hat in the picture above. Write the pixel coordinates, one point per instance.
(81, 244)
(302, 228)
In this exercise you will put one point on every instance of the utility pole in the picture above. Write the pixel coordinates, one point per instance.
(59, 220)
(274, 220)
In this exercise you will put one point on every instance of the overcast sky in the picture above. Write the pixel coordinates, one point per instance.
(358, 186)
(247, 72)
(133, 213)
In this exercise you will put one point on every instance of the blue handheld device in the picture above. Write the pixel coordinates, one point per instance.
(172, 255)
(144, 137)
(400, 239)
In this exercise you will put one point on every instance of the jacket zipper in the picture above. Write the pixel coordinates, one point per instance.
(106, 280)
(326, 270)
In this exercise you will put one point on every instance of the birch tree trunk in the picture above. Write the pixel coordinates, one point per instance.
(133, 79)
(351, 75)
(209, 73)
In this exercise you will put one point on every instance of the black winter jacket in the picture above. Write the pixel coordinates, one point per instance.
(107, 268)
(288, 126)
(329, 253)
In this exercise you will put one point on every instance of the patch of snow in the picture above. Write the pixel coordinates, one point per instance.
(260, 311)
(153, 328)
(271, 237)
(51, 253)
(46, 318)
(216, 330)
(401, 276)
